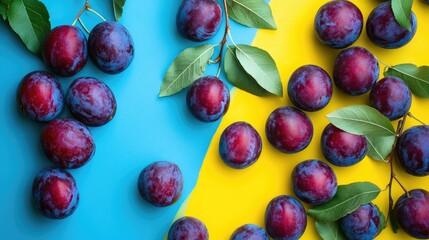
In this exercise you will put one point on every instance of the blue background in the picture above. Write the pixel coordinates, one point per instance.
(146, 128)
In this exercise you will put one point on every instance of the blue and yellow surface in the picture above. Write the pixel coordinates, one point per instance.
(147, 129)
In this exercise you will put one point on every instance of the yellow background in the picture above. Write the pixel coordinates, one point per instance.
(225, 198)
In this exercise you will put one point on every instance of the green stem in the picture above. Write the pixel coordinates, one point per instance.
(414, 117)
(86, 6)
(83, 25)
(96, 13)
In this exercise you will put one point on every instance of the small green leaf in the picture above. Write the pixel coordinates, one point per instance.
(251, 13)
(118, 6)
(238, 77)
(347, 199)
(417, 78)
(330, 230)
(393, 222)
(4, 7)
(30, 20)
(402, 12)
(382, 225)
(379, 147)
(186, 68)
(261, 66)
(362, 120)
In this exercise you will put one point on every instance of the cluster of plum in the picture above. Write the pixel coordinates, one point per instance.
(66, 142)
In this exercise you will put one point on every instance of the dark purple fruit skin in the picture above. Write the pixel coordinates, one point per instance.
(40, 96)
(310, 88)
(198, 20)
(412, 213)
(285, 218)
(355, 71)
(111, 47)
(91, 101)
(249, 232)
(188, 228)
(361, 224)
(161, 183)
(67, 143)
(289, 129)
(383, 29)
(65, 50)
(338, 24)
(208, 99)
(342, 148)
(413, 150)
(391, 97)
(55, 193)
(426, 1)
(240, 145)
(314, 182)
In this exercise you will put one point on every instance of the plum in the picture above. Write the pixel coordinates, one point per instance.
(188, 228)
(314, 182)
(413, 150)
(111, 47)
(412, 213)
(391, 97)
(362, 224)
(161, 183)
(240, 145)
(249, 232)
(355, 71)
(208, 99)
(289, 130)
(40, 96)
(198, 20)
(55, 193)
(338, 24)
(383, 29)
(67, 143)
(65, 50)
(310, 88)
(91, 101)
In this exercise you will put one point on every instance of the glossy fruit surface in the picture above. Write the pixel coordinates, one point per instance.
(361, 224)
(413, 150)
(188, 228)
(249, 232)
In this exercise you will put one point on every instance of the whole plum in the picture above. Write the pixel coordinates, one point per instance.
(285, 218)
(355, 70)
(412, 213)
(383, 29)
(67, 143)
(249, 232)
(289, 129)
(65, 50)
(198, 20)
(240, 145)
(91, 101)
(314, 182)
(361, 224)
(413, 150)
(208, 99)
(55, 193)
(391, 97)
(40, 96)
(188, 228)
(338, 23)
(161, 183)
(111, 47)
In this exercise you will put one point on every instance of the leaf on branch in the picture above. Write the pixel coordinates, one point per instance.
(251, 13)
(417, 78)
(4, 7)
(402, 12)
(330, 230)
(30, 20)
(379, 147)
(238, 77)
(186, 68)
(393, 223)
(347, 199)
(261, 66)
(362, 120)
(118, 6)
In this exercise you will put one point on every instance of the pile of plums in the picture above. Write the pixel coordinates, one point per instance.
(66, 142)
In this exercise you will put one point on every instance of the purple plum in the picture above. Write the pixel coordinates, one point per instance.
(413, 150)
(249, 232)
(362, 224)
(188, 228)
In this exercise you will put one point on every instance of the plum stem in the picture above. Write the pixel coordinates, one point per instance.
(415, 118)
(223, 42)
(83, 25)
(86, 6)
(96, 13)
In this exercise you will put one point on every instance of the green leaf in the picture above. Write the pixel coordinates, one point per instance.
(261, 66)
(118, 6)
(347, 199)
(362, 120)
(330, 230)
(417, 78)
(402, 12)
(379, 147)
(382, 225)
(393, 222)
(238, 77)
(30, 20)
(251, 13)
(4, 7)
(186, 68)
